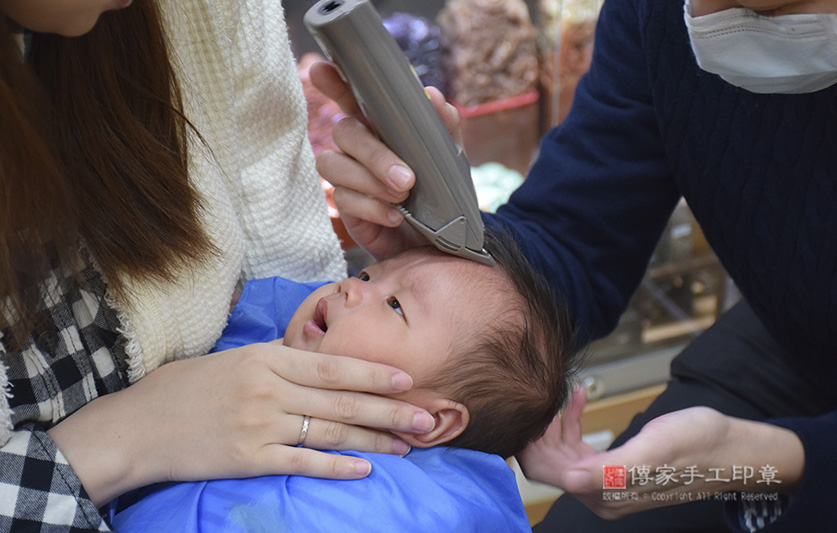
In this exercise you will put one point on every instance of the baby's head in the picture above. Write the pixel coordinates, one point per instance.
(488, 348)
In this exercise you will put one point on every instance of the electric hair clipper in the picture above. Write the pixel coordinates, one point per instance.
(442, 205)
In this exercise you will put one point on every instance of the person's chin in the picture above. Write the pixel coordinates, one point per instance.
(76, 28)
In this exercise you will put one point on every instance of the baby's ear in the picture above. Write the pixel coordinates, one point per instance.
(451, 420)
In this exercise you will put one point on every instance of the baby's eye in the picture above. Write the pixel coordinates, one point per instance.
(363, 276)
(392, 301)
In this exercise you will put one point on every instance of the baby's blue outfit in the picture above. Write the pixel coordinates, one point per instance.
(435, 489)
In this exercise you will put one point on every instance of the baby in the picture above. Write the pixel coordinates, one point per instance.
(489, 350)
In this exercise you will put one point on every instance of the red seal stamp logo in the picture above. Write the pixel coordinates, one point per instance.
(614, 477)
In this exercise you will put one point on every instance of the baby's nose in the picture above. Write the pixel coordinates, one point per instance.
(353, 291)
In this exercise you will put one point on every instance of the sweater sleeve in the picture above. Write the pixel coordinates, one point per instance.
(600, 192)
(810, 508)
(243, 93)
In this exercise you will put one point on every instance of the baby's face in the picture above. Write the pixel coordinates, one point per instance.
(405, 312)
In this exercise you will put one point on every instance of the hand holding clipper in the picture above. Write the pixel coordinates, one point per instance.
(443, 204)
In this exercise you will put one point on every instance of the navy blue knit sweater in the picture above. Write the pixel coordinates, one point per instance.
(758, 171)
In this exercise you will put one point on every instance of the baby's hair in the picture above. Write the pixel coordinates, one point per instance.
(513, 374)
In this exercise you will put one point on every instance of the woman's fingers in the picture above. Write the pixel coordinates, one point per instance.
(328, 435)
(240, 413)
(323, 371)
(331, 387)
(311, 463)
(360, 409)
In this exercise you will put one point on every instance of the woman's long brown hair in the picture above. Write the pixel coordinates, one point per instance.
(93, 153)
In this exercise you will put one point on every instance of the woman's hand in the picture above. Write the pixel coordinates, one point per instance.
(238, 413)
(367, 176)
(677, 458)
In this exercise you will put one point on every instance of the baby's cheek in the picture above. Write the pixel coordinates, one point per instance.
(288, 340)
(348, 343)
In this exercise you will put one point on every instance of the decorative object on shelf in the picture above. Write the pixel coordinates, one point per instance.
(489, 49)
(492, 66)
(420, 40)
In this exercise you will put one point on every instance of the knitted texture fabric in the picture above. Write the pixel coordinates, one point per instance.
(263, 206)
(759, 173)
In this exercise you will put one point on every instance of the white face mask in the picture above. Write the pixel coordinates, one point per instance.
(789, 54)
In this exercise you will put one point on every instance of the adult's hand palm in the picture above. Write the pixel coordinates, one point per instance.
(694, 436)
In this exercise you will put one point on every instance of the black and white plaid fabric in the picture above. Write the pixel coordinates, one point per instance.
(74, 355)
(754, 515)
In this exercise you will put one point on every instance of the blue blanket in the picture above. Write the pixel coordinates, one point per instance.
(433, 490)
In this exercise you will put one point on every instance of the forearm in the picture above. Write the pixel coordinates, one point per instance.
(703, 453)
(770, 458)
(103, 450)
(810, 506)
